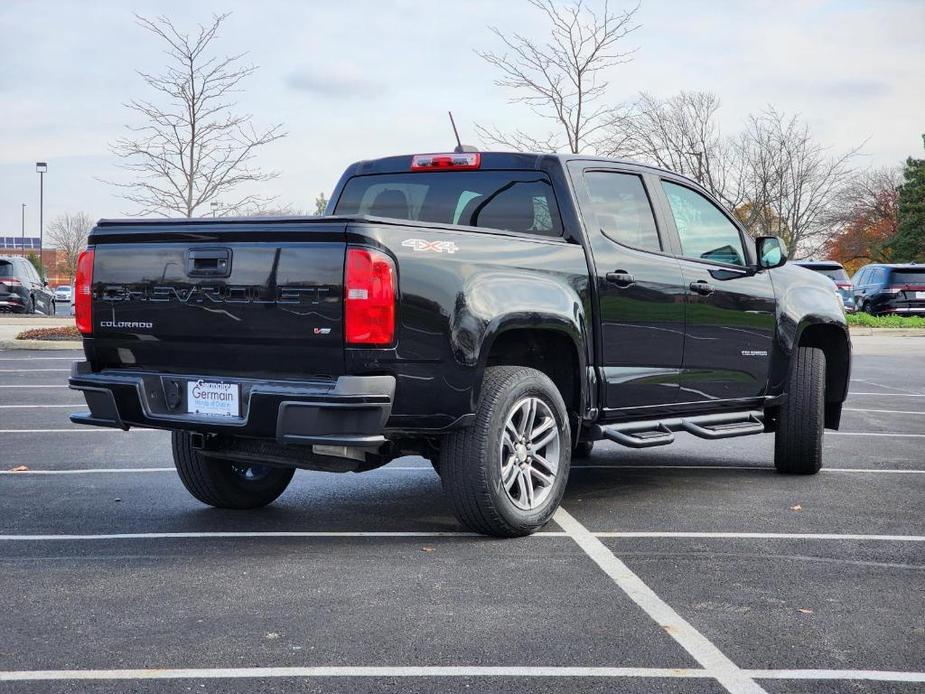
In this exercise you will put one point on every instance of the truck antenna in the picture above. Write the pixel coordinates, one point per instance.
(455, 132)
(460, 147)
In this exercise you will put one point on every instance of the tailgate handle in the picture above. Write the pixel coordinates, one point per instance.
(208, 262)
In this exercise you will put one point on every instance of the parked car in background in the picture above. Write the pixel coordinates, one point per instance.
(883, 289)
(63, 293)
(21, 288)
(835, 272)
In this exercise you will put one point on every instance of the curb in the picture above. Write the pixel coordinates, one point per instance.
(41, 344)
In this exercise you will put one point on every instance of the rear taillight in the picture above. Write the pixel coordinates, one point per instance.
(83, 281)
(843, 285)
(369, 298)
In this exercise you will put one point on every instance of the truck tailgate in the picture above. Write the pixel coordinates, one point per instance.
(257, 298)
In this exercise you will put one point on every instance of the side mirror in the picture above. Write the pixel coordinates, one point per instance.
(770, 252)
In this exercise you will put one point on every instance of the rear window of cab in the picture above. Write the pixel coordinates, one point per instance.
(520, 201)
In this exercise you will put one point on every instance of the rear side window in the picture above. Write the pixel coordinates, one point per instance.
(520, 201)
(621, 209)
(907, 277)
(6, 269)
(705, 232)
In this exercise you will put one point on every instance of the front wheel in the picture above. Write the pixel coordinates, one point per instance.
(798, 441)
(223, 483)
(506, 473)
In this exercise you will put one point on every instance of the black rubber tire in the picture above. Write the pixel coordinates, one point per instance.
(798, 441)
(583, 449)
(214, 481)
(470, 468)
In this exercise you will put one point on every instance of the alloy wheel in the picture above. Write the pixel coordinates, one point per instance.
(530, 449)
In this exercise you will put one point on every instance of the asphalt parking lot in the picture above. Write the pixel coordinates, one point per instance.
(691, 568)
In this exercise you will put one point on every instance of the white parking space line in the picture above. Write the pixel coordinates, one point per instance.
(871, 675)
(348, 671)
(89, 471)
(889, 434)
(700, 648)
(880, 385)
(428, 468)
(39, 407)
(884, 434)
(34, 386)
(750, 468)
(32, 371)
(84, 430)
(853, 409)
(446, 671)
(30, 359)
(312, 534)
(851, 394)
(254, 534)
(762, 536)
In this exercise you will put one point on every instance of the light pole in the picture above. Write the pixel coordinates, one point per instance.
(214, 205)
(22, 232)
(41, 167)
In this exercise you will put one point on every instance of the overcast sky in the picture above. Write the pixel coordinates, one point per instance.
(356, 79)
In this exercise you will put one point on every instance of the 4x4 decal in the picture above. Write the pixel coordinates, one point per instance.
(423, 246)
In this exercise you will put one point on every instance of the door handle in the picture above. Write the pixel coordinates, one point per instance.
(208, 262)
(701, 287)
(621, 278)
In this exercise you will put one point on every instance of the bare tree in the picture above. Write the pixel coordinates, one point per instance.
(321, 204)
(872, 195)
(561, 79)
(794, 183)
(68, 233)
(681, 134)
(192, 147)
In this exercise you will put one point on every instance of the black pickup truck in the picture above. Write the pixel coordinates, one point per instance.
(496, 313)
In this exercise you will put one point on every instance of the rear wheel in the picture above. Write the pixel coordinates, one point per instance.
(506, 473)
(798, 441)
(226, 484)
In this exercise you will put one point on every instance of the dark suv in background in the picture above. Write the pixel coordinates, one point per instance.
(22, 290)
(900, 289)
(835, 272)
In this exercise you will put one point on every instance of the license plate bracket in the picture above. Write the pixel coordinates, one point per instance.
(213, 398)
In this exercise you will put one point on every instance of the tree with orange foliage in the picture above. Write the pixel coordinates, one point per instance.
(868, 219)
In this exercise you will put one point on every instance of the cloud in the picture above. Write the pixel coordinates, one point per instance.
(340, 82)
(854, 89)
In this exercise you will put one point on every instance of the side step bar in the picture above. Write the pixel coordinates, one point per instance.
(647, 434)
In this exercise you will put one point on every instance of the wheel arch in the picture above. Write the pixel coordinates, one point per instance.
(553, 347)
(835, 343)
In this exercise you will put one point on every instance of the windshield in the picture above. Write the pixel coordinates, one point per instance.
(907, 277)
(509, 200)
(836, 273)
